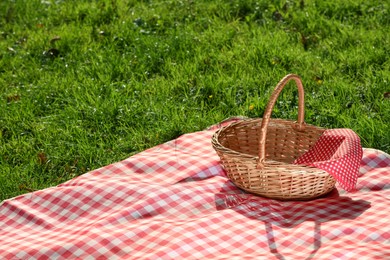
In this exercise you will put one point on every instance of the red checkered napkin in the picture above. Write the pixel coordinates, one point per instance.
(338, 152)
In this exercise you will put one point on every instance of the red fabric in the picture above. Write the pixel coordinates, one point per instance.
(338, 152)
(174, 201)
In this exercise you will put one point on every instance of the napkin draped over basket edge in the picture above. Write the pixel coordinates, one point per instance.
(338, 152)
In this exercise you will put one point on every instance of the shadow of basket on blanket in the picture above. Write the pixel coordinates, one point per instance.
(290, 214)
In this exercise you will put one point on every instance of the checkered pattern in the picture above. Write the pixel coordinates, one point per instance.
(338, 152)
(174, 202)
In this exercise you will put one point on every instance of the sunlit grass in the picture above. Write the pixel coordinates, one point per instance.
(88, 83)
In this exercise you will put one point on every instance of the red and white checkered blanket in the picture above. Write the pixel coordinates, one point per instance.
(174, 202)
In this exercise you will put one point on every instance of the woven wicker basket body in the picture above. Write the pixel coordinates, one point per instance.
(258, 154)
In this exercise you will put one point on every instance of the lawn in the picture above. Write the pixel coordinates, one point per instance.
(87, 83)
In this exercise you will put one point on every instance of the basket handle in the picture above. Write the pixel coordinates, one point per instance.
(300, 124)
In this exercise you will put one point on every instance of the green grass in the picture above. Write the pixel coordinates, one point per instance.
(88, 83)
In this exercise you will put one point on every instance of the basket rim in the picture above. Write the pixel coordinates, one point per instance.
(218, 146)
(245, 121)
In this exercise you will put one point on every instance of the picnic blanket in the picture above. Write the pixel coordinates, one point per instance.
(174, 201)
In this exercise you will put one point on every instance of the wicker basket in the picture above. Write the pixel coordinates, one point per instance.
(258, 154)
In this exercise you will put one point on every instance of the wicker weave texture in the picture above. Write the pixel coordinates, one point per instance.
(258, 154)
